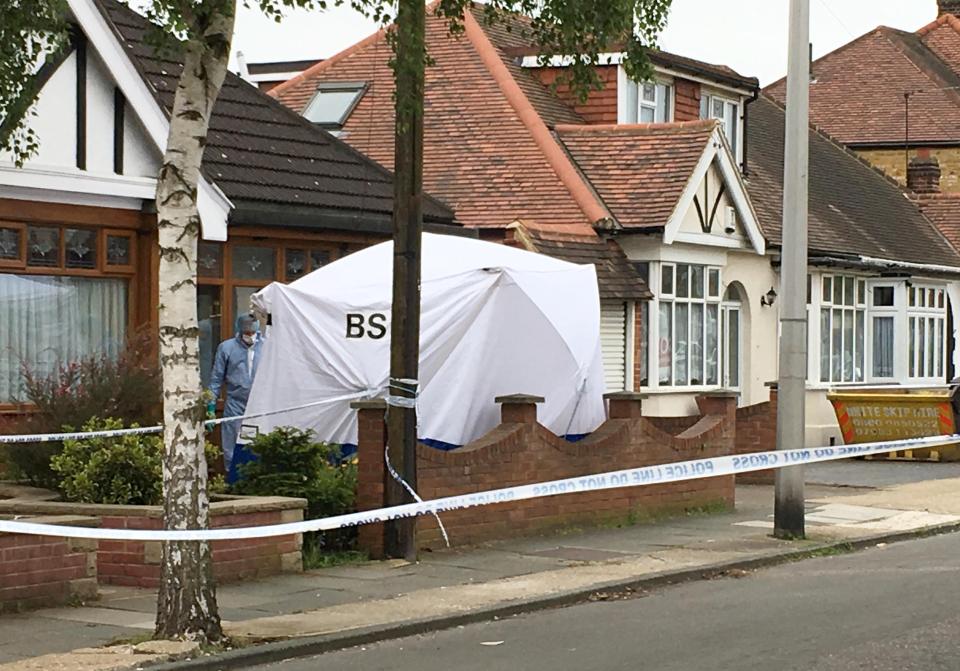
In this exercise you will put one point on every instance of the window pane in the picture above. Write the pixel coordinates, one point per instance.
(861, 292)
(209, 260)
(666, 280)
(718, 109)
(913, 296)
(253, 263)
(295, 263)
(913, 344)
(883, 346)
(838, 291)
(683, 280)
(649, 92)
(704, 107)
(712, 345)
(714, 282)
(883, 296)
(50, 320)
(931, 346)
(940, 352)
(665, 103)
(644, 310)
(733, 349)
(330, 106)
(241, 303)
(696, 281)
(43, 246)
(858, 371)
(836, 358)
(319, 258)
(827, 282)
(732, 123)
(665, 344)
(931, 298)
(10, 241)
(682, 347)
(921, 347)
(647, 115)
(825, 345)
(849, 284)
(208, 319)
(118, 250)
(696, 343)
(847, 346)
(630, 99)
(939, 298)
(81, 246)
(921, 298)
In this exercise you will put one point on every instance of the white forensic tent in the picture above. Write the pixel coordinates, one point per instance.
(495, 320)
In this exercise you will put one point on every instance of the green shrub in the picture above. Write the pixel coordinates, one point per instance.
(122, 470)
(125, 470)
(126, 386)
(291, 463)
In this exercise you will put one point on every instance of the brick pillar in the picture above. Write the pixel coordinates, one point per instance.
(625, 405)
(371, 470)
(518, 408)
(722, 403)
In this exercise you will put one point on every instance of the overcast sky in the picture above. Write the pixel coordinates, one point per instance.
(747, 35)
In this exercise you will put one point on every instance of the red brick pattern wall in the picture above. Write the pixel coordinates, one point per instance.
(687, 104)
(600, 106)
(41, 571)
(757, 432)
(522, 452)
(137, 564)
(673, 425)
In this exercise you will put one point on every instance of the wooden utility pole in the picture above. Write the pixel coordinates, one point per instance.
(791, 417)
(407, 230)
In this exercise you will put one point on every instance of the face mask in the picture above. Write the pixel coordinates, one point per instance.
(247, 338)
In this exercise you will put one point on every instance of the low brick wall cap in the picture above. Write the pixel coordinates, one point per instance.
(720, 393)
(625, 396)
(519, 399)
(773, 384)
(369, 404)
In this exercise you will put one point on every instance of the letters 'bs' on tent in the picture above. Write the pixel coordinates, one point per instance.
(495, 320)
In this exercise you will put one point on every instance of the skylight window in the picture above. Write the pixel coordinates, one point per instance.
(333, 102)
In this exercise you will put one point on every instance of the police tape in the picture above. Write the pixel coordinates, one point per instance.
(142, 430)
(631, 477)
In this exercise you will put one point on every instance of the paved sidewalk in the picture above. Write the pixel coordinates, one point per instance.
(455, 583)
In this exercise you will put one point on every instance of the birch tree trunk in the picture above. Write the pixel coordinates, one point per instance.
(187, 604)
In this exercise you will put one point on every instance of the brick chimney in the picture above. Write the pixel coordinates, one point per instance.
(923, 173)
(949, 7)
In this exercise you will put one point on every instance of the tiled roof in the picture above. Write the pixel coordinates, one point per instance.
(858, 95)
(854, 209)
(639, 170)
(944, 211)
(480, 155)
(260, 153)
(617, 277)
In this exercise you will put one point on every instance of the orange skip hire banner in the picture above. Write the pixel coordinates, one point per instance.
(879, 415)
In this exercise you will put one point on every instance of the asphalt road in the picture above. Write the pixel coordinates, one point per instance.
(890, 608)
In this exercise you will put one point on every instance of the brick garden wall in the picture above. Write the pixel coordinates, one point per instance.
(521, 451)
(44, 571)
(137, 564)
(757, 432)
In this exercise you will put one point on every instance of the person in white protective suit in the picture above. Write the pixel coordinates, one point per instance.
(234, 367)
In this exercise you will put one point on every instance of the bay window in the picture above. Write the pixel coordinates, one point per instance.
(64, 296)
(877, 330)
(688, 325)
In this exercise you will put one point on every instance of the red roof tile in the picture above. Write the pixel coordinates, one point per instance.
(639, 170)
(944, 211)
(858, 96)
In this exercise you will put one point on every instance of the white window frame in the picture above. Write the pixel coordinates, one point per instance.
(901, 312)
(732, 105)
(669, 297)
(926, 332)
(629, 91)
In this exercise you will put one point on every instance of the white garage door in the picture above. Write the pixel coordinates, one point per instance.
(613, 344)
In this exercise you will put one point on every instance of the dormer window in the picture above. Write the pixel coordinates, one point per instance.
(333, 102)
(647, 102)
(728, 112)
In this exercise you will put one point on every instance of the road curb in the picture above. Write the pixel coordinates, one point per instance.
(314, 645)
